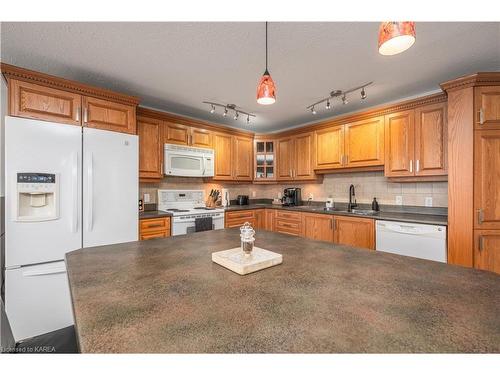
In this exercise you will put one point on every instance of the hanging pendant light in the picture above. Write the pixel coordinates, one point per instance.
(395, 37)
(266, 91)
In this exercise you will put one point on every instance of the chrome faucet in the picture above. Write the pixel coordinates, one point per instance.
(352, 196)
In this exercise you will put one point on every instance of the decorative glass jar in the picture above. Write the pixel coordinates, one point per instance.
(247, 238)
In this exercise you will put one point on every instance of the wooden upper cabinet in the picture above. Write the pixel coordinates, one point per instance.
(107, 115)
(400, 144)
(150, 147)
(176, 133)
(318, 226)
(223, 148)
(303, 157)
(487, 179)
(354, 231)
(329, 148)
(431, 140)
(44, 103)
(487, 107)
(243, 158)
(364, 143)
(201, 138)
(285, 158)
(487, 250)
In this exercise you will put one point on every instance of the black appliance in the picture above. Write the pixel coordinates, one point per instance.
(242, 200)
(291, 197)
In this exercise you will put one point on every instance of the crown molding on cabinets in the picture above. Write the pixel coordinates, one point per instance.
(22, 74)
(477, 79)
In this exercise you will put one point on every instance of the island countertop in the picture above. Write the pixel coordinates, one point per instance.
(166, 296)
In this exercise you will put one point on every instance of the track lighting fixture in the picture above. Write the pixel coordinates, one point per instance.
(229, 107)
(342, 94)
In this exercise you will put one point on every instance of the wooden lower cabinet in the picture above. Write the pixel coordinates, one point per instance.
(260, 219)
(270, 214)
(154, 228)
(354, 231)
(487, 250)
(318, 226)
(235, 219)
(288, 222)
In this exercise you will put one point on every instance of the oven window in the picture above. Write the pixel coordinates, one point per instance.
(185, 163)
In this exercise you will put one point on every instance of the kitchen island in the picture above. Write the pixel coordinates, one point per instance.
(166, 296)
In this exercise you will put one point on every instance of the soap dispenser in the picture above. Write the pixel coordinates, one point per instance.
(375, 206)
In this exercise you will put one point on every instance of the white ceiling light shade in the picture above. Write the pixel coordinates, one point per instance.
(395, 37)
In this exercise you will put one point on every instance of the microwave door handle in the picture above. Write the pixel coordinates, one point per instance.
(204, 165)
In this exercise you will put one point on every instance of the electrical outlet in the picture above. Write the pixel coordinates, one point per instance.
(311, 197)
(253, 193)
(428, 201)
(147, 198)
(399, 200)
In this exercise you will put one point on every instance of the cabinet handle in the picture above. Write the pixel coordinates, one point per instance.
(411, 166)
(480, 216)
(85, 115)
(417, 165)
(77, 114)
(481, 116)
(481, 243)
(154, 225)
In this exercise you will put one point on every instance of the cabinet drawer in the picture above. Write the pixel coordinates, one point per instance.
(151, 235)
(249, 214)
(154, 225)
(288, 227)
(236, 223)
(288, 215)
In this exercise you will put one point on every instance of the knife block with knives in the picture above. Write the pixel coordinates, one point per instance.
(214, 199)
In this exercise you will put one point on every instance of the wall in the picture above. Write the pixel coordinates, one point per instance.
(367, 184)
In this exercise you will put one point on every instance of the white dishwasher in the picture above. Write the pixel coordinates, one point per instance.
(415, 240)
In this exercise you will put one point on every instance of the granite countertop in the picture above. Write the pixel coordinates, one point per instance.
(167, 296)
(412, 217)
(153, 214)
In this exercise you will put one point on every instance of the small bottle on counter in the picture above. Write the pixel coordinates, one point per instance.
(375, 206)
(247, 238)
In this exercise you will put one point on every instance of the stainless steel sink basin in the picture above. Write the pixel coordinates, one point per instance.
(363, 212)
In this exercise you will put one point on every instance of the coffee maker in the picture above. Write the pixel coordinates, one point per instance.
(291, 197)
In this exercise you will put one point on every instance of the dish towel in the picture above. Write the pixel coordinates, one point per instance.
(202, 224)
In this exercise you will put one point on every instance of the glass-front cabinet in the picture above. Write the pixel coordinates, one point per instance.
(264, 160)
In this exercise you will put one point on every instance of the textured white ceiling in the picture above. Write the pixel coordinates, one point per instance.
(175, 66)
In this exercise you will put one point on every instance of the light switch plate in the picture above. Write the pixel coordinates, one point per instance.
(428, 201)
(253, 193)
(399, 200)
(311, 197)
(147, 198)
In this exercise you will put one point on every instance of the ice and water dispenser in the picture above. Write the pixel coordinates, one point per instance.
(37, 196)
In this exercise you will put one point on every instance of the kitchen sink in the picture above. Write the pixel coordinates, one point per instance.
(363, 212)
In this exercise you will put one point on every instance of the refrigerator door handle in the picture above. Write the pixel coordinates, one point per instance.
(74, 182)
(90, 187)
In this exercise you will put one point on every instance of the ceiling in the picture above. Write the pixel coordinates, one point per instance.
(175, 66)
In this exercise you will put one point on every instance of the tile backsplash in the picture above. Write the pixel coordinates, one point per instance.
(336, 186)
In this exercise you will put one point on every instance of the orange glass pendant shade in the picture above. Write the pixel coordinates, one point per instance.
(395, 37)
(266, 90)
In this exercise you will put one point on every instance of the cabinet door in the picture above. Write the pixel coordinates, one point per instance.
(44, 103)
(107, 115)
(150, 148)
(318, 226)
(176, 133)
(364, 143)
(303, 157)
(269, 219)
(201, 138)
(223, 169)
(260, 219)
(243, 159)
(431, 140)
(354, 231)
(487, 250)
(487, 179)
(487, 107)
(329, 148)
(285, 159)
(400, 144)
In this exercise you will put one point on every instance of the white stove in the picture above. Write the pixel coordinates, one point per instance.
(186, 206)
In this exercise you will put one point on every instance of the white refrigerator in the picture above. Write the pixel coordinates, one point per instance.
(67, 187)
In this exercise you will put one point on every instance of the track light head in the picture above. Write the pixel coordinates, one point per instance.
(363, 93)
(328, 105)
(212, 110)
(225, 112)
(236, 115)
(344, 99)
(313, 111)
(248, 119)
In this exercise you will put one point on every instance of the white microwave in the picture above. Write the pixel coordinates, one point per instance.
(188, 161)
